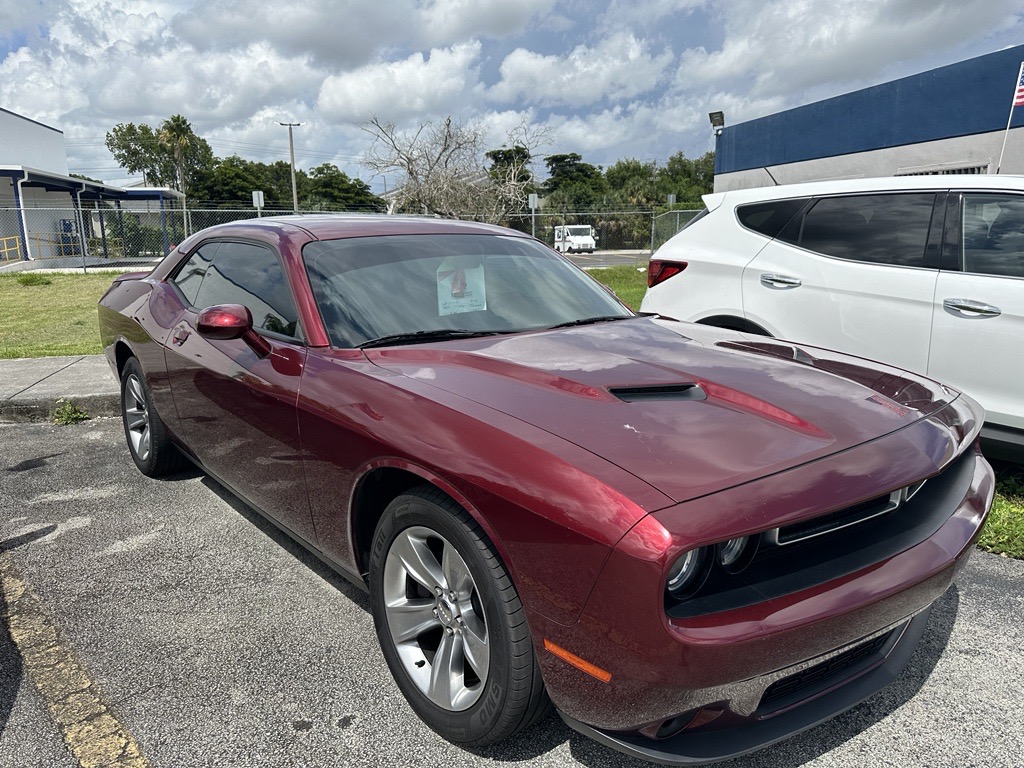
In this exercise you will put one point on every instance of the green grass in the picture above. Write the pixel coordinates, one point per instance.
(629, 284)
(1004, 531)
(43, 315)
(55, 314)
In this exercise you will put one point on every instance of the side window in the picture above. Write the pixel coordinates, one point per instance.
(769, 218)
(190, 276)
(993, 234)
(251, 275)
(881, 229)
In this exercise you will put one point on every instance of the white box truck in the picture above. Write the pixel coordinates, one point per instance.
(575, 238)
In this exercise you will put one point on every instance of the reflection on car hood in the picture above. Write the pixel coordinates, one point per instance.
(688, 409)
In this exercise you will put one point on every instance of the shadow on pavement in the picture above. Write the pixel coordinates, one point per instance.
(11, 668)
(288, 543)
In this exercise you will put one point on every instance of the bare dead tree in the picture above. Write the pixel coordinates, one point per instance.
(441, 169)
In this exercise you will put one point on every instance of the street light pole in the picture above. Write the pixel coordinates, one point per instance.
(291, 152)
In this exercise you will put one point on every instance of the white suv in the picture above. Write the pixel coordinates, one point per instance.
(924, 272)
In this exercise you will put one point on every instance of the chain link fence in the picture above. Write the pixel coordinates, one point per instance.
(612, 230)
(139, 234)
(94, 237)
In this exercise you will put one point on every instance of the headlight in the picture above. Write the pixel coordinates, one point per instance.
(735, 554)
(688, 573)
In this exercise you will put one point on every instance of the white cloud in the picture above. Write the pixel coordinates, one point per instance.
(622, 78)
(786, 47)
(398, 90)
(447, 21)
(328, 33)
(619, 67)
(646, 14)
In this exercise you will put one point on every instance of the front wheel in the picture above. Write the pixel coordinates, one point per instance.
(450, 623)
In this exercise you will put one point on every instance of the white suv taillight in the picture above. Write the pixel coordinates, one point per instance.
(660, 270)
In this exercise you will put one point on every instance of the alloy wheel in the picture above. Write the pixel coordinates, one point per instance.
(136, 417)
(435, 618)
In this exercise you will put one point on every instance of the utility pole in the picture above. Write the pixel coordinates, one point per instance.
(291, 152)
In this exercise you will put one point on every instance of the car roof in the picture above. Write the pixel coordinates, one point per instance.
(341, 225)
(986, 182)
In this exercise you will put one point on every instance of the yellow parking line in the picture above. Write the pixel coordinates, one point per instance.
(94, 735)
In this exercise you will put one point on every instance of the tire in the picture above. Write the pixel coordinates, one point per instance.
(151, 448)
(440, 594)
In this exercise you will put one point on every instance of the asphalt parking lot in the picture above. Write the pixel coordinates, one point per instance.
(182, 630)
(599, 259)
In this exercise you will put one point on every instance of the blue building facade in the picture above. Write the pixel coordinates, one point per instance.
(952, 118)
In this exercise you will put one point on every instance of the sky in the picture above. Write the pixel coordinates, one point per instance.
(609, 80)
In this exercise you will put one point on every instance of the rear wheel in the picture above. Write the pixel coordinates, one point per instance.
(148, 443)
(450, 623)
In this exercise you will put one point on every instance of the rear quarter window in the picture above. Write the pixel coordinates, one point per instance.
(769, 218)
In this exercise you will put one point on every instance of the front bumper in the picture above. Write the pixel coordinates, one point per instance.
(703, 688)
(870, 674)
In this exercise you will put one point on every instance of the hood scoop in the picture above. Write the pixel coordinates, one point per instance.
(687, 391)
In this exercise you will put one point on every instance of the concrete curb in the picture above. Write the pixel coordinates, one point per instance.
(43, 408)
(30, 389)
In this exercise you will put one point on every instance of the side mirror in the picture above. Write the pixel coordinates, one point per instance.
(225, 322)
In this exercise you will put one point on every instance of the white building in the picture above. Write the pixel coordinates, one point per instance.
(41, 206)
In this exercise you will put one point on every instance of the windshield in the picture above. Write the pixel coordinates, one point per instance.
(579, 231)
(370, 288)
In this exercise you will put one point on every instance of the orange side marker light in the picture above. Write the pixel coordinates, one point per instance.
(576, 661)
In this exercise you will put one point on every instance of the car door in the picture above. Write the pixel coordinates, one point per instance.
(851, 273)
(236, 407)
(978, 315)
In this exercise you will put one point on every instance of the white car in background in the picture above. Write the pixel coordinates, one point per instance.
(923, 272)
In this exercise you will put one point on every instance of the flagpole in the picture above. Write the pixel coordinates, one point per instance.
(1013, 106)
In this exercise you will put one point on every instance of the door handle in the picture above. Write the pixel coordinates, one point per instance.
(971, 308)
(179, 335)
(769, 280)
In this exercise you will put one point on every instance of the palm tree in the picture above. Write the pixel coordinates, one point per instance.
(176, 135)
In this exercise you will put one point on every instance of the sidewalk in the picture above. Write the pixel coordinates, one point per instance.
(30, 387)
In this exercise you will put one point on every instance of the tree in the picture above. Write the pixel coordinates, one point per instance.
(230, 181)
(635, 184)
(573, 185)
(436, 164)
(331, 189)
(189, 151)
(441, 168)
(137, 150)
(171, 156)
(688, 179)
(569, 169)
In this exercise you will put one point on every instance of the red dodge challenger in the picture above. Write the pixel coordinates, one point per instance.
(691, 542)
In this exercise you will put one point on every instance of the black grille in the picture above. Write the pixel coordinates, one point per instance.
(820, 676)
(834, 520)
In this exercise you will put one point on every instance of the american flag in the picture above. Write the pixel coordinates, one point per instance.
(1018, 95)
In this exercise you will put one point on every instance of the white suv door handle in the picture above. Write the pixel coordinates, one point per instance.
(971, 308)
(769, 280)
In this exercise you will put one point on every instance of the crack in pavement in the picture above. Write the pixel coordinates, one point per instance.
(93, 733)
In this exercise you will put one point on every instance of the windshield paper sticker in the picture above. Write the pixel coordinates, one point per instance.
(460, 287)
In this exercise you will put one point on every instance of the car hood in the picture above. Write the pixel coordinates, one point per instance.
(689, 409)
